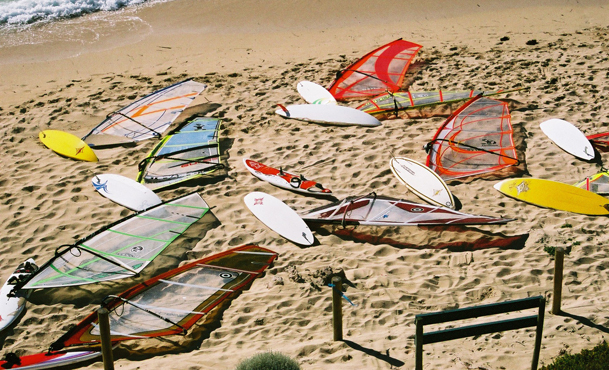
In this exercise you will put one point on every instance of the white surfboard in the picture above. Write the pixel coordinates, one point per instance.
(568, 137)
(422, 181)
(279, 217)
(313, 93)
(12, 307)
(125, 191)
(328, 114)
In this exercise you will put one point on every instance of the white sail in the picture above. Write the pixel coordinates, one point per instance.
(150, 116)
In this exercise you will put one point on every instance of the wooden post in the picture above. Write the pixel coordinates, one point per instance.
(559, 256)
(418, 344)
(337, 311)
(104, 333)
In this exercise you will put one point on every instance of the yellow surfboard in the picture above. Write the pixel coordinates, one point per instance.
(68, 145)
(556, 195)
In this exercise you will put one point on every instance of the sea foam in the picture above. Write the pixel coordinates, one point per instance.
(23, 12)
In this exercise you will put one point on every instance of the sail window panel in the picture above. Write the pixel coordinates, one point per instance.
(194, 291)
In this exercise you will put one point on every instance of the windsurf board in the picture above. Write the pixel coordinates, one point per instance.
(284, 180)
(328, 114)
(279, 217)
(12, 305)
(555, 195)
(67, 145)
(313, 93)
(125, 191)
(48, 360)
(422, 181)
(568, 137)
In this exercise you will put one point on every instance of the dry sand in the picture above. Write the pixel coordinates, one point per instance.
(252, 54)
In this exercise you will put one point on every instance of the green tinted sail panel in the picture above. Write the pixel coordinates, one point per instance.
(122, 249)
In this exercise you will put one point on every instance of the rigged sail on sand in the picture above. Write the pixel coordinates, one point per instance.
(401, 104)
(189, 153)
(377, 210)
(475, 140)
(122, 249)
(147, 117)
(174, 301)
(383, 69)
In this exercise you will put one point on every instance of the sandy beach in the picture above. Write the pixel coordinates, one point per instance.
(68, 75)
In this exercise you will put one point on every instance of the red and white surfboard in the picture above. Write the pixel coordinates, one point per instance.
(48, 360)
(284, 179)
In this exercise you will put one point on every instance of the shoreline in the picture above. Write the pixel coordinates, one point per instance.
(221, 43)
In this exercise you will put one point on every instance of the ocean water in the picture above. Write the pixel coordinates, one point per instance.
(21, 13)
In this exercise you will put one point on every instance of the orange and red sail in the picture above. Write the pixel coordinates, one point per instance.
(381, 70)
(476, 139)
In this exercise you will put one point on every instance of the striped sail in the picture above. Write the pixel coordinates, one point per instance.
(187, 154)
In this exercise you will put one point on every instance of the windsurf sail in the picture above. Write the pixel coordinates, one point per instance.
(381, 70)
(476, 139)
(189, 153)
(597, 183)
(151, 115)
(121, 249)
(600, 141)
(376, 210)
(174, 301)
(397, 105)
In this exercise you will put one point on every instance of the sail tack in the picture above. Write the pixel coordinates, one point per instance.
(476, 139)
(378, 71)
(122, 249)
(172, 302)
(191, 152)
(150, 116)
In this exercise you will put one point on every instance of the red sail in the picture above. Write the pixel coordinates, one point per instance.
(380, 70)
(476, 139)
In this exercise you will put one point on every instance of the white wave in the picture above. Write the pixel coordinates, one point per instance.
(20, 12)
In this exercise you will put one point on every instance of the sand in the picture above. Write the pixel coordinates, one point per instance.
(251, 55)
